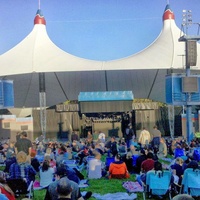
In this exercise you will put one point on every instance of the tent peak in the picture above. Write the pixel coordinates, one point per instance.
(168, 14)
(39, 18)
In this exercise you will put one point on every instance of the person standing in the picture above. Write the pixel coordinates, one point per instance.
(129, 135)
(89, 138)
(144, 138)
(24, 144)
(18, 135)
(113, 146)
(74, 136)
(156, 135)
(102, 137)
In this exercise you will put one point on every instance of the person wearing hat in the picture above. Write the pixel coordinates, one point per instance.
(61, 173)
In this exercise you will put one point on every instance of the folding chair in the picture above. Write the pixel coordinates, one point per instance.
(196, 154)
(158, 183)
(134, 159)
(19, 187)
(190, 182)
(178, 152)
(108, 161)
(70, 163)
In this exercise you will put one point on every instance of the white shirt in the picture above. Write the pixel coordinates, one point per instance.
(46, 177)
(102, 137)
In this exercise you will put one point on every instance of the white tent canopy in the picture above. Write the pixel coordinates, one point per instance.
(67, 75)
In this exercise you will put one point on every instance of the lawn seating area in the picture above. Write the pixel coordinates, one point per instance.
(100, 186)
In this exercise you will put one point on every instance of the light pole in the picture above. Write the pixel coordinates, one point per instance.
(191, 59)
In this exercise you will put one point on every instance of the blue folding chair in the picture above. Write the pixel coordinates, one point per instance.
(158, 183)
(134, 159)
(109, 160)
(178, 152)
(196, 154)
(190, 182)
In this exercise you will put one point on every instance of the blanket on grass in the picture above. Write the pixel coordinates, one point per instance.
(118, 196)
(131, 186)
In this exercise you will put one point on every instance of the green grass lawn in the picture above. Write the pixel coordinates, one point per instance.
(101, 186)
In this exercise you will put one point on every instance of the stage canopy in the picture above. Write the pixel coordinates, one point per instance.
(66, 75)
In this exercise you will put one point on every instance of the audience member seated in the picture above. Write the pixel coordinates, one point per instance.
(52, 162)
(61, 173)
(177, 169)
(187, 161)
(142, 178)
(147, 164)
(172, 147)
(99, 148)
(133, 150)
(193, 165)
(118, 169)
(69, 152)
(129, 162)
(64, 190)
(73, 174)
(40, 149)
(135, 144)
(22, 169)
(84, 152)
(62, 154)
(96, 168)
(49, 152)
(122, 147)
(46, 174)
(102, 137)
(9, 162)
(142, 157)
(154, 152)
(113, 147)
(35, 162)
(162, 149)
(6, 190)
(10, 150)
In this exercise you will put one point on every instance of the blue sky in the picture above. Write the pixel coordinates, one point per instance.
(92, 29)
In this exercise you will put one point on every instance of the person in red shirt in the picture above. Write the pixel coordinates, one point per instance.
(148, 164)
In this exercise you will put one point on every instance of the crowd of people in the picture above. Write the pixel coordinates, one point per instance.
(25, 160)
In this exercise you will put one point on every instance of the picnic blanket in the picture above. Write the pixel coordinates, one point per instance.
(131, 186)
(118, 196)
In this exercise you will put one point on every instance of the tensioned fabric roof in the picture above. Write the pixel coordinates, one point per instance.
(67, 75)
